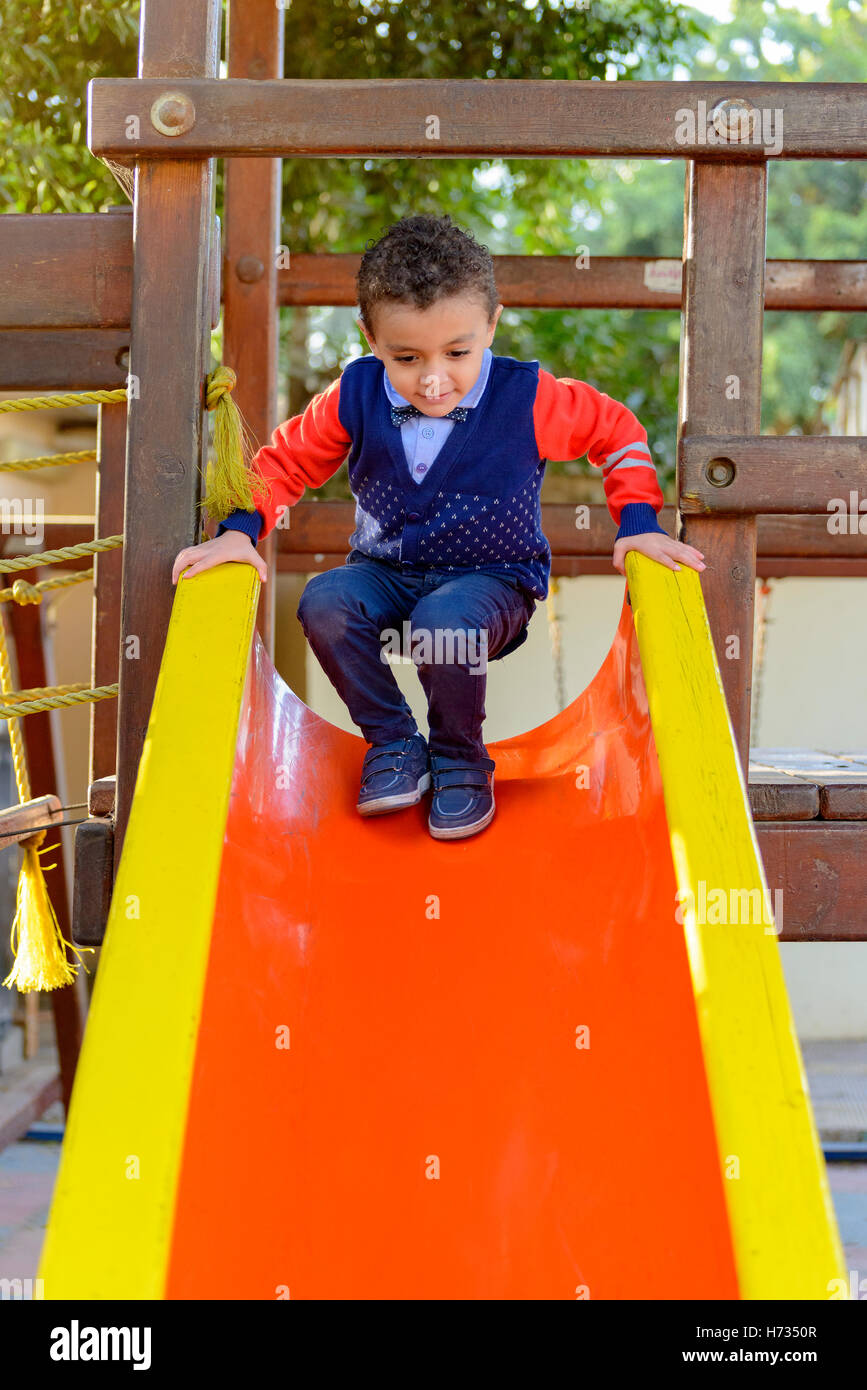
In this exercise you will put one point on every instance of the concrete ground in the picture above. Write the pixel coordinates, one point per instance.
(838, 1085)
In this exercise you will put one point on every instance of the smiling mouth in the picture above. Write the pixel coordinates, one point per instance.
(435, 400)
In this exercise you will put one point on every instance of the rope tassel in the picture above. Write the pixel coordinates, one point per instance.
(229, 482)
(38, 944)
(39, 947)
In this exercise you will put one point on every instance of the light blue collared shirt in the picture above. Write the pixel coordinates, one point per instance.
(424, 435)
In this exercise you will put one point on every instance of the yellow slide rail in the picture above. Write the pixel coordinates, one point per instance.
(783, 1227)
(110, 1228)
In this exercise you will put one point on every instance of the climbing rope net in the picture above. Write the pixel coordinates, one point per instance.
(41, 952)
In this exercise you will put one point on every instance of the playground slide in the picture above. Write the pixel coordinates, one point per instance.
(333, 1058)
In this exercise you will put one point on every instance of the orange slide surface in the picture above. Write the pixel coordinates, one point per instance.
(330, 1057)
(465, 1070)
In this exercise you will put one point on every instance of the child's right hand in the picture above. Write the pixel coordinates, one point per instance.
(229, 545)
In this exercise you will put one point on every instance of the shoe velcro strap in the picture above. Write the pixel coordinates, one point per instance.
(375, 771)
(460, 777)
(375, 753)
(373, 763)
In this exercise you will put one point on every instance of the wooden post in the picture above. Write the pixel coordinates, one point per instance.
(720, 392)
(252, 235)
(169, 360)
(107, 571)
(25, 621)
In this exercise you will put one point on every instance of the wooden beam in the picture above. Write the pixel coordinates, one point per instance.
(777, 536)
(252, 210)
(100, 796)
(18, 823)
(773, 798)
(85, 273)
(107, 590)
(720, 393)
(797, 545)
(170, 358)
(63, 359)
(73, 271)
(821, 868)
(774, 473)
(444, 118)
(94, 880)
(326, 526)
(605, 282)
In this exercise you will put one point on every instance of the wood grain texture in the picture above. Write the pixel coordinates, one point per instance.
(606, 282)
(720, 392)
(821, 869)
(169, 360)
(107, 587)
(784, 474)
(497, 116)
(253, 191)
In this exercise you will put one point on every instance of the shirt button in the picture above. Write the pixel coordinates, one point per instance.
(427, 432)
(413, 516)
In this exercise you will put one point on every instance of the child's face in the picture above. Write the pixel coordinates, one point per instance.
(432, 356)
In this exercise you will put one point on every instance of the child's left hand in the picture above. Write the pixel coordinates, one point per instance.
(660, 548)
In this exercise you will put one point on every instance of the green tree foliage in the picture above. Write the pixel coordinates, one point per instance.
(816, 208)
(50, 49)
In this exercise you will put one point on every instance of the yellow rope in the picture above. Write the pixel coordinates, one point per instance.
(38, 945)
(58, 402)
(100, 692)
(49, 461)
(49, 696)
(36, 692)
(230, 482)
(56, 557)
(22, 592)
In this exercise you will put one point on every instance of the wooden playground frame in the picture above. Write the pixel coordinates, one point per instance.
(96, 313)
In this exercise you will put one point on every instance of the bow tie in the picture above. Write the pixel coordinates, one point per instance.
(400, 413)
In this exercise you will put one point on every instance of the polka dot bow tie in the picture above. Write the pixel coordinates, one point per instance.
(400, 413)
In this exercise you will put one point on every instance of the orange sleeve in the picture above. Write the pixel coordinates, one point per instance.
(305, 451)
(572, 419)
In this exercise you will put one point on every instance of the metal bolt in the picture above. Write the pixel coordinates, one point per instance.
(720, 472)
(249, 269)
(173, 114)
(122, 359)
(734, 119)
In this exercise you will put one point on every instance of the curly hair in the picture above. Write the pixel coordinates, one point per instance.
(420, 260)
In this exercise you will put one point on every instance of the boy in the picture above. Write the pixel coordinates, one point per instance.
(447, 446)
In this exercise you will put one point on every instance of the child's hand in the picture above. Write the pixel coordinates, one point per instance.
(229, 545)
(660, 548)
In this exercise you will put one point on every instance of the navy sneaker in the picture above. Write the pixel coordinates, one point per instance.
(394, 775)
(463, 796)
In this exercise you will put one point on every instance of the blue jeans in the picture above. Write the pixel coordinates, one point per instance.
(454, 625)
